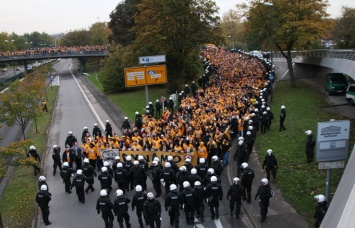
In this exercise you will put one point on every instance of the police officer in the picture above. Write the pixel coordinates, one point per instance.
(127, 165)
(174, 166)
(96, 130)
(105, 206)
(120, 208)
(264, 193)
(310, 146)
(270, 164)
(114, 163)
(173, 201)
(56, 159)
(109, 169)
(213, 193)
(264, 122)
(105, 180)
(151, 108)
(143, 163)
(137, 203)
(79, 183)
(188, 199)
(167, 177)
(89, 173)
(83, 134)
(282, 118)
(181, 177)
(66, 174)
(193, 177)
(156, 170)
(270, 114)
(188, 164)
(138, 120)
(216, 165)
(234, 196)
(33, 154)
(171, 105)
(321, 210)
(210, 173)
(108, 129)
(121, 177)
(246, 181)
(42, 199)
(240, 155)
(158, 108)
(202, 168)
(152, 211)
(70, 140)
(138, 175)
(125, 125)
(199, 200)
(42, 181)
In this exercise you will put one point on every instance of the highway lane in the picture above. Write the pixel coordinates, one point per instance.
(72, 113)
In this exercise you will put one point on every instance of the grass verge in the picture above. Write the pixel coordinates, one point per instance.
(299, 181)
(18, 203)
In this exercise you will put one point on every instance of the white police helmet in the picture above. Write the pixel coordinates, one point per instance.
(138, 188)
(150, 195)
(117, 158)
(320, 198)
(210, 170)
(42, 178)
(269, 152)
(79, 172)
(308, 132)
(186, 184)
(65, 164)
(170, 158)
(283, 107)
(104, 169)
(213, 179)
(264, 181)
(106, 163)
(55, 146)
(156, 159)
(86, 160)
(202, 160)
(136, 163)
(167, 164)
(193, 171)
(214, 158)
(236, 180)
(32, 147)
(119, 165)
(244, 165)
(140, 157)
(197, 183)
(182, 168)
(129, 158)
(173, 187)
(119, 192)
(103, 192)
(44, 187)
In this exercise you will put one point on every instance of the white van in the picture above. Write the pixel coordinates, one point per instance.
(350, 94)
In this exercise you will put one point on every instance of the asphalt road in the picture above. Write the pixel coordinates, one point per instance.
(76, 108)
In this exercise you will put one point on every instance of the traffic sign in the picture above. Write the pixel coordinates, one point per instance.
(151, 59)
(331, 165)
(156, 74)
(135, 76)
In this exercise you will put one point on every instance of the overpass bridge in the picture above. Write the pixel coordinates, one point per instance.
(336, 59)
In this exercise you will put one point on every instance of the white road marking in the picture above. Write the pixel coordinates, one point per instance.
(218, 223)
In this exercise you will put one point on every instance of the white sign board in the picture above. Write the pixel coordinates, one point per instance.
(332, 140)
(151, 59)
(331, 165)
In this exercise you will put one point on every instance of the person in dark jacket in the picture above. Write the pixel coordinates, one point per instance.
(32, 153)
(137, 204)
(96, 130)
(247, 177)
(79, 183)
(56, 159)
(199, 200)
(167, 177)
(217, 165)
(105, 206)
(108, 129)
(121, 177)
(240, 155)
(264, 193)
(84, 133)
(66, 174)
(264, 122)
(138, 174)
(173, 201)
(68, 156)
(321, 210)
(193, 89)
(42, 199)
(188, 199)
(78, 155)
(270, 164)
(202, 168)
(158, 108)
(213, 193)
(70, 140)
(181, 177)
(127, 165)
(105, 180)
(234, 196)
(282, 118)
(171, 105)
(270, 114)
(152, 211)
(89, 173)
(310, 143)
(120, 208)
(125, 125)
(156, 170)
(138, 122)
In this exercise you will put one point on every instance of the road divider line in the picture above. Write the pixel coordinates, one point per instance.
(218, 223)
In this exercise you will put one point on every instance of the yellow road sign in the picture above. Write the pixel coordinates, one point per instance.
(135, 76)
(156, 74)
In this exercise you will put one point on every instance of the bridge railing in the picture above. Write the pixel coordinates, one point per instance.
(322, 53)
(53, 54)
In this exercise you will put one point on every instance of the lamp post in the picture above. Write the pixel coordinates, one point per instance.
(269, 4)
(9, 41)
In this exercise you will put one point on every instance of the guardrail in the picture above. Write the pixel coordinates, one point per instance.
(322, 53)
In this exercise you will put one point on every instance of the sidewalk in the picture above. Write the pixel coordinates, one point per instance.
(280, 213)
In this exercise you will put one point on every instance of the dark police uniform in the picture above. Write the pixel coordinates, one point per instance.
(105, 206)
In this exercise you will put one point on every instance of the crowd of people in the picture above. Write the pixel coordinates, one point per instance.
(228, 102)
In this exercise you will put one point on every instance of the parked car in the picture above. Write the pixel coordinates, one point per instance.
(4, 70)
(350, 94)
(17, 69)
(336, 83)
(256, 54)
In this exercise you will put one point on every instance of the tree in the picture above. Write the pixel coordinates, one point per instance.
(99, 33)
(39, 39)
(17, 151)
(112, 74)
(292, 23)
(177, 29)
(76, 38)
(232, 28)
(344, 32)
(122, 22)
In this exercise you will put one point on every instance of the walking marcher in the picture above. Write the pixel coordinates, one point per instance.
(193, 177)
(105, 180)
(77, 156)
(105, 206)
(68, 156)
(173, 201)
(158, 108)
(264, 193)
(217, 165)
(156, 170)
(188, 199)
(138, 175)
(199, 200)
(42, 199)
(70, 140)
(181, 177)
(96, 130)
(89, 172)
(282, 118)
(270, 164)
(213, 193)
(167, 177)
(270, 114)
(310, 143)
(32, 153)
(44, 106)
(108, 130)
(137, 204)
(56, 159)
(125, 125)
(79, 183)
(121, 177)
(321, 210)
(246, 181)
(234, 196)
(152, 211)
(120, 208)
(202, 168)
(66, 174)
(127, 165)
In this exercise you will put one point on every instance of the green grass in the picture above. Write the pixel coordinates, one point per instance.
(298, 180)
(18, 203)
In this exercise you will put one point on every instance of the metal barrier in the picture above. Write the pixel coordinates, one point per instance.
(327, 53)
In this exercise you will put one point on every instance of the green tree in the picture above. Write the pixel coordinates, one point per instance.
(39, 39)
(344, 32)
(122, 22)
(99, 33)
(293, 25)
(76, 38)
(112, 73)
(177, 29)
(233, 28)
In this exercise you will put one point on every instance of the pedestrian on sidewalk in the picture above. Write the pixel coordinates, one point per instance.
(264, 193)
(120, 208)
(79, 183)
(105, 206)
(42, 199)
(246, 181)
(234, 196)
(270, 164)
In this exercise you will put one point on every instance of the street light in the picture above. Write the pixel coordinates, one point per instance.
(269, 4)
